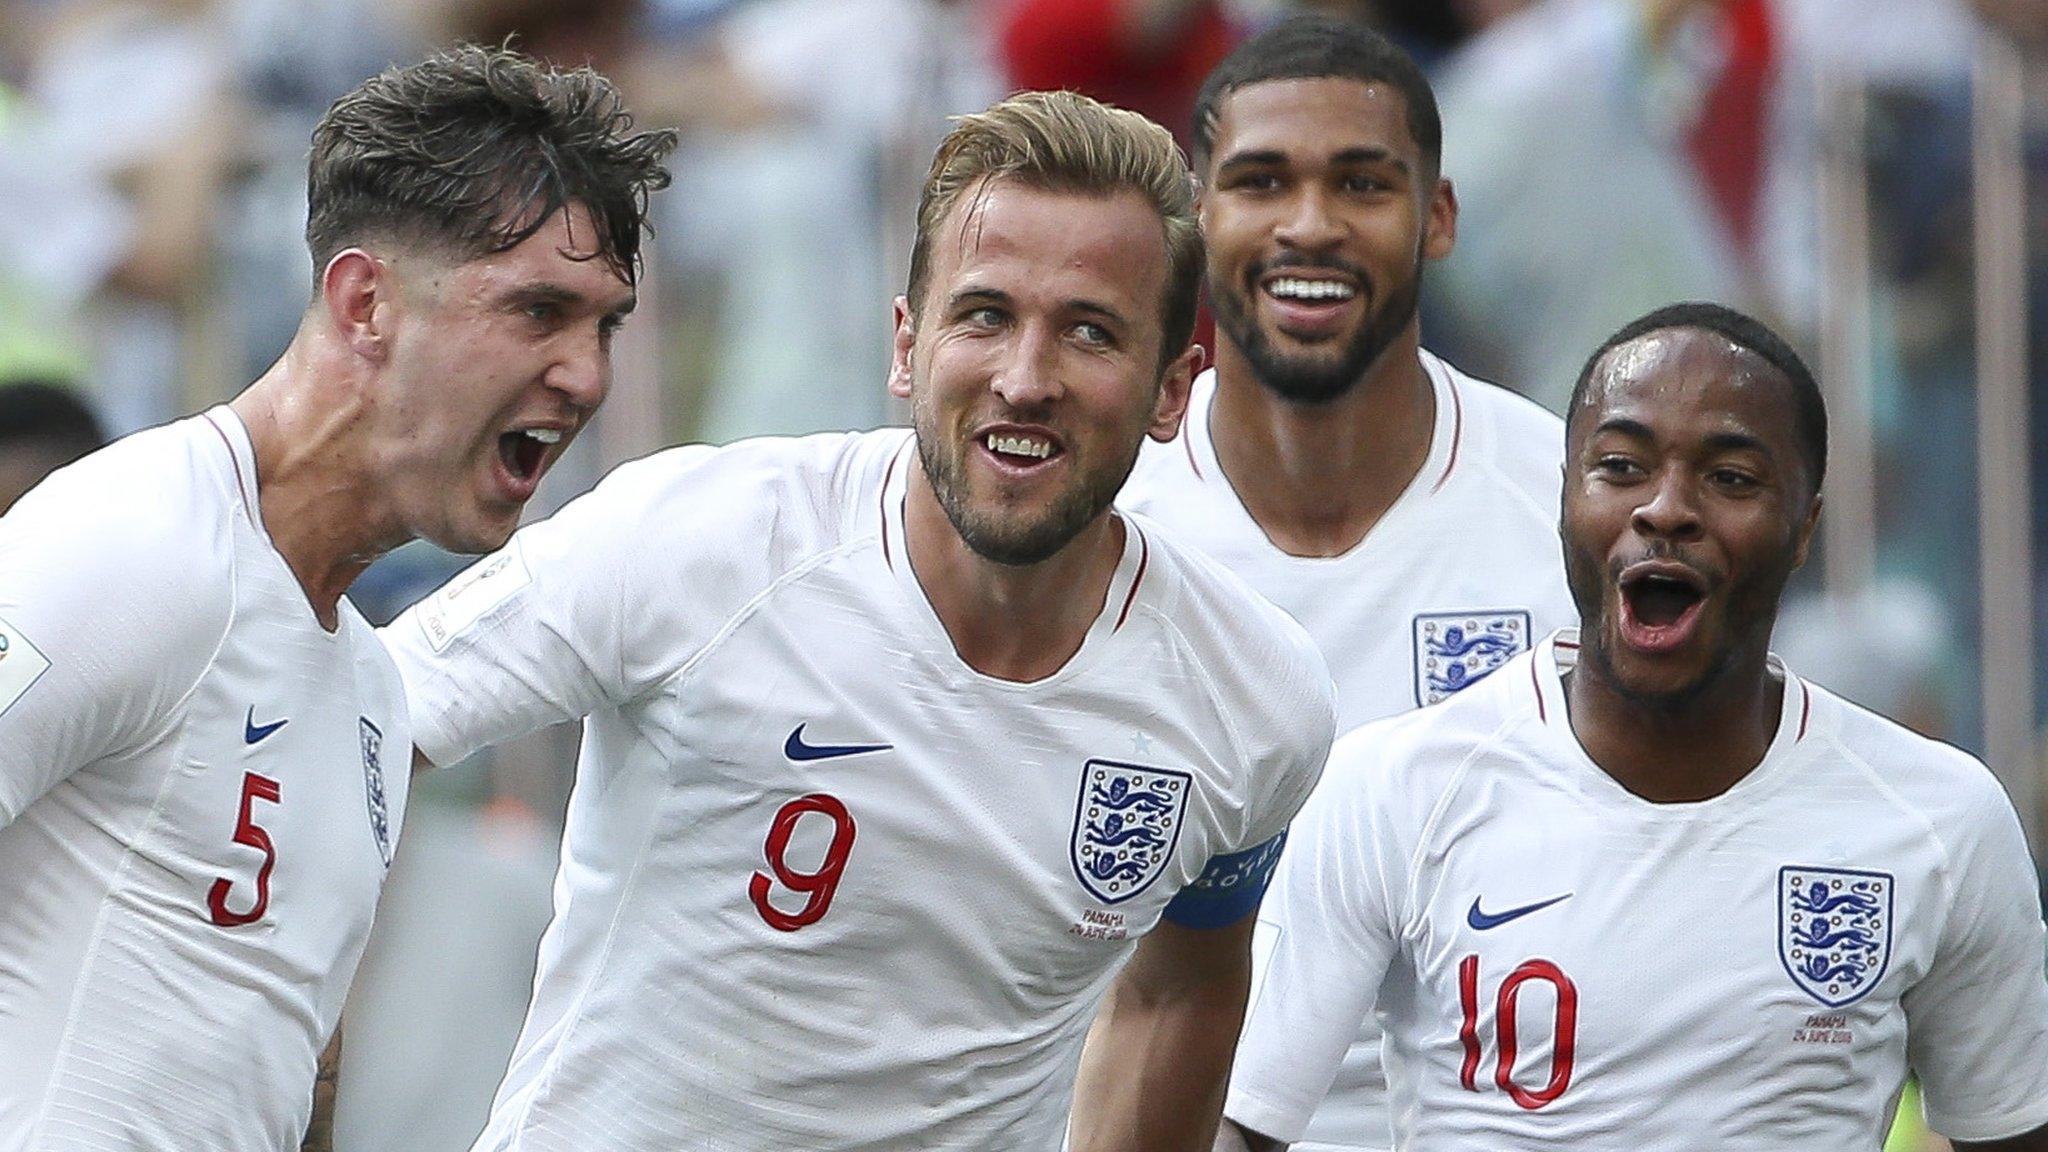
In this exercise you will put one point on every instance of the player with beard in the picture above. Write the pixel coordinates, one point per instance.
(1646, 888)
(902, 746)
(1402, 511)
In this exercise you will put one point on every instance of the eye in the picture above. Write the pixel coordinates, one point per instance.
(610, 325)
(542, 311)
(1734, 480)
(984, 317)
(1613, 466)
(1094, 335)
(1360, 182)
(1254, 182)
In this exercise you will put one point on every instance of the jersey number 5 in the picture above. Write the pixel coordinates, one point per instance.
(254, 787)
(817, 886)
(1564, 1030)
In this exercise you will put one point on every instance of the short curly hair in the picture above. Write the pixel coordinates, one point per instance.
(472, 150)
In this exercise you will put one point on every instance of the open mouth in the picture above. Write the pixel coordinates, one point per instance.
(1660, 606)
(524, 452)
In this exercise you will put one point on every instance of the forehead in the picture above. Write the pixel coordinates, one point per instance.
(564, 252)
(1689, 383)
(1032, 243)
(1313, 118)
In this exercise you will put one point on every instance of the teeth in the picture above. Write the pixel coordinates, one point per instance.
(546, 435)
(1019, 446)
(1295, 288)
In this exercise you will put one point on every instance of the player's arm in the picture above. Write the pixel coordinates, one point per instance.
(1153, 1072)
(326, 1086)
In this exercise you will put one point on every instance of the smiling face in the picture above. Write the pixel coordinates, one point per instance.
(1319, 209)
(1688, 503)
(1033, 362)
(493, 367)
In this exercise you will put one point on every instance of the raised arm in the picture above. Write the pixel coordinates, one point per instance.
(1153, 1072)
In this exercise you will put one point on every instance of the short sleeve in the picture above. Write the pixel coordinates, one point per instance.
(109, 614)
(567, 618)
(1326, 935)
(1977, 1024)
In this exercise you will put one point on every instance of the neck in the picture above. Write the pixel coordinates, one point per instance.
(1020, 623)
(314, 475)
(1693, 750)
(1318, 477)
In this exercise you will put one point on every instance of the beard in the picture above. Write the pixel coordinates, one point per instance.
(1314, 378)
(1016, 537)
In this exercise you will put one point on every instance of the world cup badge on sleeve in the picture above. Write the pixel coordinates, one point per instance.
(1455, 650)
(1834, 930)
(373, 786)
(1126, 822)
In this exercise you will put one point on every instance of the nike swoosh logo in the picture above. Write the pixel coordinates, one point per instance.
(254, 733)
(796, 749)
(1481, 921)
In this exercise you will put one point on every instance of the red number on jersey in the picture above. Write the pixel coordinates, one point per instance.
(817, 887)
(254, 788)
(1564, 1031)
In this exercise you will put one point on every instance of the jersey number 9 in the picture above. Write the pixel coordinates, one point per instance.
(816, 886)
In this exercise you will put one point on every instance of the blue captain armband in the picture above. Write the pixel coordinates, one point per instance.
(1229, 889)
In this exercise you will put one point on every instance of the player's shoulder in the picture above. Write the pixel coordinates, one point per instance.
(1937, 780)
(772, 500)
(153, 508)
(1507, 434)
(1236, 634)
(1425, 753)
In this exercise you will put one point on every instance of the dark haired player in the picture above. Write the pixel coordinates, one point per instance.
(1646, 888)
(43, 427)
(1403, 512)
(203, 747)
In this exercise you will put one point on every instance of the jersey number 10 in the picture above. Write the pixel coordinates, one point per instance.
(1564, 1033)
(817, 886)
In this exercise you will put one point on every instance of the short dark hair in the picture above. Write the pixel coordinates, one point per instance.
(43, 413)
(1318, 48)
(1810, 410)
(472, 150)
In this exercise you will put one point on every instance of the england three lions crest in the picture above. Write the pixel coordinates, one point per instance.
(1126, 822)
(1834, 930)
(373, 786)
(1455, 650)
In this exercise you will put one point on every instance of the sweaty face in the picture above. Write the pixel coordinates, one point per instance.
(1687, 505)
(1319, 211)
(1032, 363)
(495, 365)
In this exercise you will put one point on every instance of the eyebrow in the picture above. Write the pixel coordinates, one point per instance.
(974, 294)
(1715, 442)
(1360, 155)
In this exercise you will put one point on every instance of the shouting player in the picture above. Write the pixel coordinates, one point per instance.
(203, 747)
(901, 744)
(1645, 888)
(1403, 512)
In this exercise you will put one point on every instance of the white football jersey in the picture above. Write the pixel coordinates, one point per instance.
(1461, 574)
(823, 885)
(1561, 964)
(199, 791)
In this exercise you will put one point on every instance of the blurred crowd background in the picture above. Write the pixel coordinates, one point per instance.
(1869, 175)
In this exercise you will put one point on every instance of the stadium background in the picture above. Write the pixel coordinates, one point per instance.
(1869, 174)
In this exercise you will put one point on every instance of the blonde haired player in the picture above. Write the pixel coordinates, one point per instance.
(903, 749)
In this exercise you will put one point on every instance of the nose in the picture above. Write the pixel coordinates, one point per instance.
(583, 373)
(1308, 221)
(1027, 373)
(1670, 511)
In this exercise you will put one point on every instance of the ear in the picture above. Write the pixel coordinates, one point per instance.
(1172, 402)
(1440, 233)
(905, 340)
(352, 288)
(1806, 533)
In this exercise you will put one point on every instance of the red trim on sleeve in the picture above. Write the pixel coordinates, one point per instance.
(1542, 715)
(1805, 711)
(883, 503)
(1187, 442)
(1457, 435)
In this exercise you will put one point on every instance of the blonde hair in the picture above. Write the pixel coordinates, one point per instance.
(1066, 142)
